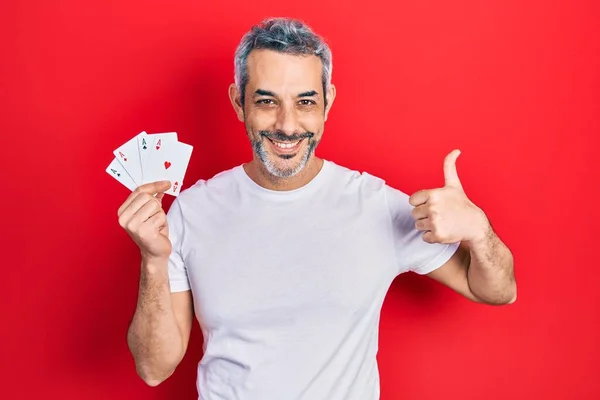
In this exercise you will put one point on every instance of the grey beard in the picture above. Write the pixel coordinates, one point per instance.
(263, 156)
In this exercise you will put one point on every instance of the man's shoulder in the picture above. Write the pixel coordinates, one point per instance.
(355, 178)
(218, 183)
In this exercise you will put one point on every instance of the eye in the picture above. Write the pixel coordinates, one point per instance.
(265, 101)
(306, 102)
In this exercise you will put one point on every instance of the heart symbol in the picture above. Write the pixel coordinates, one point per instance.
(167, 164)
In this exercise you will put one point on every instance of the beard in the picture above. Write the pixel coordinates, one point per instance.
(283, 165)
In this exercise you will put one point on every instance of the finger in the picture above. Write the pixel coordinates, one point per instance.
(138, 202)
(420, 212)
(419, 198)
(150, 188)
(450, 173)
(159, 196)
(424, 224)
(146, 212)
(429, 237)
(158, 220)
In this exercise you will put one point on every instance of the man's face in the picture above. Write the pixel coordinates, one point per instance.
(284, 111)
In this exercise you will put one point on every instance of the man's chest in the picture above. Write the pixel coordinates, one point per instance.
(274, 266)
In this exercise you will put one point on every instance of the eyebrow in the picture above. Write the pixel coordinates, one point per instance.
(262, 92)
(308, 94)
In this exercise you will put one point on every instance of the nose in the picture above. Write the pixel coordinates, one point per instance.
(287, 120)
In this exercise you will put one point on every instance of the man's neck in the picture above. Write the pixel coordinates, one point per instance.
(259, 174)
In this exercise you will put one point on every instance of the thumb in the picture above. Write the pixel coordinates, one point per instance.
(450, 174)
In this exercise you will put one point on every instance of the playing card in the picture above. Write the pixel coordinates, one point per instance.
(129, 157)
(143, 147)
(115, 169)
(169, 163)
(155, 140)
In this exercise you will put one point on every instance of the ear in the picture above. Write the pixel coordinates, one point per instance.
(330, 98)
(235, 98)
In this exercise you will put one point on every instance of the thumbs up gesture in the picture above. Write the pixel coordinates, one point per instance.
(446, 215)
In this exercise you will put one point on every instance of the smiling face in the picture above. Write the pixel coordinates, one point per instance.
(283, 111)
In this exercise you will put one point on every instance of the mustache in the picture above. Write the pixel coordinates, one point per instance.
(282, 137)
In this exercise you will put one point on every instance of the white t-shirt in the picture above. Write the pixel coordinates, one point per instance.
(288, 285)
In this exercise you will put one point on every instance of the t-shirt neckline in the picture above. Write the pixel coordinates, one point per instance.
(311, 186)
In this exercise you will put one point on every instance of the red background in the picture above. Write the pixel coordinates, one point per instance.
(515, 85)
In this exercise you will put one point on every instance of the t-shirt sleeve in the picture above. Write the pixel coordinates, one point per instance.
(412, 252)
(178, 278)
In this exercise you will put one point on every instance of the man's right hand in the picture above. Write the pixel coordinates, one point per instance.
(144, 220)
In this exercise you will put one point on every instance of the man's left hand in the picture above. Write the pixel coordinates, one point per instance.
(446, 215)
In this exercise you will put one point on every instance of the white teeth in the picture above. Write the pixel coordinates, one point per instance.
(286, 145)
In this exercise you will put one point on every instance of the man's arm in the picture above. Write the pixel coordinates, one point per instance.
(160, 330)
(482, 267)
(482, 270)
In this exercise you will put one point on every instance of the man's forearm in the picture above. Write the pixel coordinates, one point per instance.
(154, 337)
(491, 270)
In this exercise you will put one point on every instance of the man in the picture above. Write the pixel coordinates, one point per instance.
(286, 260)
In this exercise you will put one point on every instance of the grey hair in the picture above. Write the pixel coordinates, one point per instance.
(284, 35)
